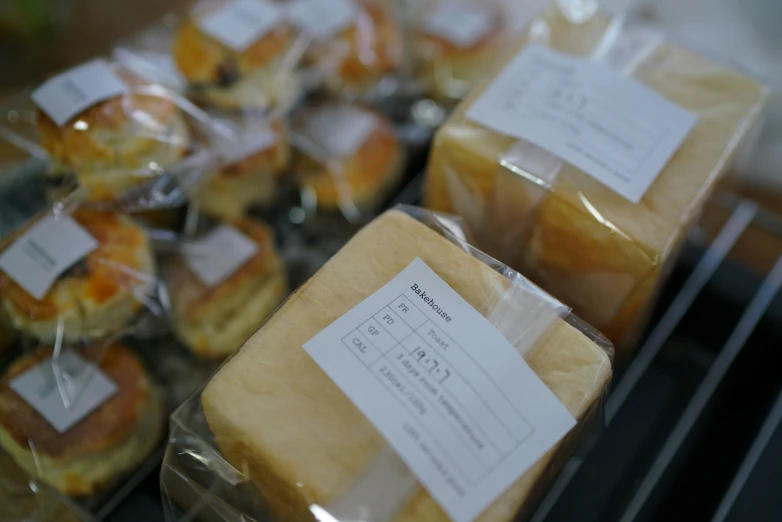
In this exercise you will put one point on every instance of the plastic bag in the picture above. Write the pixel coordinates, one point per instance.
(272, 435)
(347, 159)
(223, 282)
(240, 55)
(591, 247)
(131, 144)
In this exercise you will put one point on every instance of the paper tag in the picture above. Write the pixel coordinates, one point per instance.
(40, 255)
(249, 141)
(66, 392)
(451, 395)
(340, 131)
(322, 18)
(76, 90)
(462, 25)
(240, 23)
(615, 129)
(220, 253)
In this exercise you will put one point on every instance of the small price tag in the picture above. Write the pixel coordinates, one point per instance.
(322, 18)
(340, 131)
(44, 252)
(462, 25)
(220, 253)
(76, 90)
(240, 23)
(66, 391)
(252, 139)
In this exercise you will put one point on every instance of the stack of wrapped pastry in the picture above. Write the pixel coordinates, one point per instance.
(281, 421)
(590, 247)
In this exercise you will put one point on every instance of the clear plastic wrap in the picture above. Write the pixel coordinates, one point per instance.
(240, 55)
(272, 435)
(223, 282)
(130, 144)
(357, 45)
(597, 251)
(347, 159)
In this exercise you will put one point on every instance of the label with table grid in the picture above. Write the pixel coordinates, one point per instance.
(444, 387)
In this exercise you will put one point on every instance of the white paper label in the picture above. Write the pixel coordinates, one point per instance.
(462, 25)
(240, 23)
(250, 140)
(615, 129)
(322, 18)
(340, 131)
(64, 392)
(451, 395)
(220, 253)
(40, 255)
(74, 91)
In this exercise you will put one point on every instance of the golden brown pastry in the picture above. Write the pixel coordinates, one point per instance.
(119, 143)
(113, 439)
(213, 321)
(585, 244)
(361, 178)
(250, 181)
(97, 296)
(264, 405)
(254, 78)
(450, 67)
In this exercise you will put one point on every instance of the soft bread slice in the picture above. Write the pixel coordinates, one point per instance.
(582, 242)
(277, 417)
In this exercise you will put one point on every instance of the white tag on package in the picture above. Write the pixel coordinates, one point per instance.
(40, 255)
(340, 131)
(322, 18)
(251, 140)
(461, 25)
(76, 90)
(455, 400)
(220, 253)
(65, 392)
(615, 129)
(240, 23)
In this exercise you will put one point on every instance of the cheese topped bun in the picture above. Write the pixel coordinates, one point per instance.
(253, 78)
(214, 321)
(341, 164)
(112, 439)
(98, 295)
(119, 143)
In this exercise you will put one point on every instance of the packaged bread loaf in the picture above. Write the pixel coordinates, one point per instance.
(74, 424)
(223, 284)
(585, 158)
(347, 158)
(283, 426)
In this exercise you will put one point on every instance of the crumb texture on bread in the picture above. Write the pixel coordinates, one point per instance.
(265, 403)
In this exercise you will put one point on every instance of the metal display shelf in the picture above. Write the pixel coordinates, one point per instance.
(693, 426)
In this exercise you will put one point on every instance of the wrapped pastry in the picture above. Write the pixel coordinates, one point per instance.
(223, 285)
(347, 158)
(238, 54)
(356, 42)
(112, 421)
(246, 443)
(586, 174)
(83, 275)
(458, 43)
(252, 166)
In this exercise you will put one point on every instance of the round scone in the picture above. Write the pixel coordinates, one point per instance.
(360, 55)
(337, 173)
(114, 438)
(119, 143)
(214, 321)
(254, 78)
(456, 46)
(251, 173)
(98, 295)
